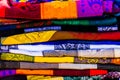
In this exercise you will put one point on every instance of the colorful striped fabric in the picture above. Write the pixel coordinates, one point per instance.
(70, 42)
(107, 4)
(41, 47)
(35, 77)
(28, 65)
(114, 4)
(105, 21)
(57, 35)
(70, 9)
(9, 31)
(113, 76)
(95, 53)
(20, 57)
(31, 77)
(91, 72)
(80, 60)
(59, 39)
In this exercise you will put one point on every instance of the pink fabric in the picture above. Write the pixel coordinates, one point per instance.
(4, 3)
(107, 6)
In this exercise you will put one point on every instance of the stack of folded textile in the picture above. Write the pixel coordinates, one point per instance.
(59, 40)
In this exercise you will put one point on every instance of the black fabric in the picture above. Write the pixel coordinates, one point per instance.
(5, 33)
(15, 77)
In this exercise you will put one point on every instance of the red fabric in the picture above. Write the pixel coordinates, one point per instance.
(23, 10)
(2, 12)
(97, 72)
(79, 72)
(96, 36)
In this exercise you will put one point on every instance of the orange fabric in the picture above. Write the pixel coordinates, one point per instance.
(7, 20)
(57, 9)
(115, 61)
(33, 72)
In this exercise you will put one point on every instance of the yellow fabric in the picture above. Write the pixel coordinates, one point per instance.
(32, 77)
(23, 0)
(16, 57)
(54, 59)
(28, 38)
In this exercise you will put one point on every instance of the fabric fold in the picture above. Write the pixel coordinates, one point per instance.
(91, 72)
(71, 9)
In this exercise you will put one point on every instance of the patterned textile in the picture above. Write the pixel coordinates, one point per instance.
(105, 21)
(91, 72)
(108, 3)
(9, 31)
(59, 51)
(35, 77)
(44, 36)
(82, 60)
(59, 40)
(70, 66)
(70, 9)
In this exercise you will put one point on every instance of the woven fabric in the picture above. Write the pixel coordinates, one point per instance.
(91, 72)
(59, 39)
(107, 4)
(59, 66)
(57, 35)
(8, 31)
(81, 60)
(36, 77)
(66, 52)
(72, 9)
(105, 21)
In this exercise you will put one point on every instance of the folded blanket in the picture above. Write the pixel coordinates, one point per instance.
(55, 9)
(37, 77)
(8, 31)
(109, 76)
(70, 66)
(81, 60)
(74, 28)
(105, 21)
(107, 4)
(93, 53)
(66, 78)
(91, 72)
(70, 42)
(41, 47)
(20, 57)
(57, 35)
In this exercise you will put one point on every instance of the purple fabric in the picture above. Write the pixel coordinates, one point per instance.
(4, 73)
(89, 8)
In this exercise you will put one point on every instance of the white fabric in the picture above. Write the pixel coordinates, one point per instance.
(30, 53)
